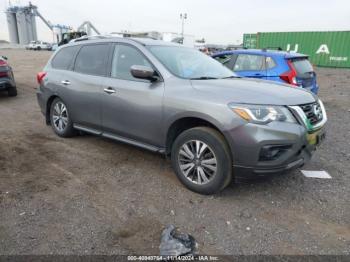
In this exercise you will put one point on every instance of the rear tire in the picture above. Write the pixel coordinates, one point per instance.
(61, 122)
(202, 160)
(12, 91)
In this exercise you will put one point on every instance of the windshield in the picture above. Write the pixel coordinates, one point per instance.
(190, 63)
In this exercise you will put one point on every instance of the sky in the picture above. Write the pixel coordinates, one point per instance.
(218, 21)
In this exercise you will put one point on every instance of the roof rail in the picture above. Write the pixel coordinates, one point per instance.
(91, 37)
(272, 48)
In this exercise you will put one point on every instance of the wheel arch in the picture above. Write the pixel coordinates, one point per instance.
(183, 123)
(48, 108)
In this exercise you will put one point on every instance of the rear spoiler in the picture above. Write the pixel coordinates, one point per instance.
(295, 56)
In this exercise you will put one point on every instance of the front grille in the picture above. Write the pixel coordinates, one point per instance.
(313, 112)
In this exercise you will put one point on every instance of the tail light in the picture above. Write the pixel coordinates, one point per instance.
(3, 63)
(40, 76)
(3, 74)
(291, 75)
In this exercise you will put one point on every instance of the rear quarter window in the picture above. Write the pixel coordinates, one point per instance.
(270, 63)
(64, 58)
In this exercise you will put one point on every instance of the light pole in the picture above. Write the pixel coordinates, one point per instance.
(183, 17)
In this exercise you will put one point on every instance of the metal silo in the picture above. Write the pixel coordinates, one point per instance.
(12, 27)
(29, 26)
(35, 35)
(22, 27)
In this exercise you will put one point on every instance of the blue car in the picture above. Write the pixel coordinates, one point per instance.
(292, 68)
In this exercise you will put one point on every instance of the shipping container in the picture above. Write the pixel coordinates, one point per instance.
(249, 41)
(328, 48)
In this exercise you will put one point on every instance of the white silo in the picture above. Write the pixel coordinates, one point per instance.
(22, 27)
(21, 24)
(29, 26)
(35, 34)
(12, 27)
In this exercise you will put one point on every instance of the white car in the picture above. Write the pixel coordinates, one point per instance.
(39, 45)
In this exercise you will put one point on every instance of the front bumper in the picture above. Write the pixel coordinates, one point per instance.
(248, 141)
(300, 158)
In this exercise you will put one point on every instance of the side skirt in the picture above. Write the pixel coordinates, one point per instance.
(120, 139)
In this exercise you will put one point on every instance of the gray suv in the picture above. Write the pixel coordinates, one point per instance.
(179, 102)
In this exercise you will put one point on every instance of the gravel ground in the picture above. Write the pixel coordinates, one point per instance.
(88, 195)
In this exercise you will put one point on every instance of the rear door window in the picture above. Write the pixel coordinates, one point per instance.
(91, 60)
(64, 58)
(249, 63)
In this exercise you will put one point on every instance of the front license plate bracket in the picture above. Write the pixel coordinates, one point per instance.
(316, 138)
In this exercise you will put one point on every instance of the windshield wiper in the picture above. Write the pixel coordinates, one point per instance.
(203, 78)
(227, 77)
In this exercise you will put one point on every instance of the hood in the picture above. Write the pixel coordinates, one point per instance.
(253, 91)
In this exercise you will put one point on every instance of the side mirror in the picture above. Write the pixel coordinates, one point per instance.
(143, 72)
(4, 57)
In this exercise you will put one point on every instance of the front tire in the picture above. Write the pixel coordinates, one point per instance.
(60, 119)
(202, 161)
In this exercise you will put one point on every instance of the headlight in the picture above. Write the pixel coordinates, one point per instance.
(262, 114)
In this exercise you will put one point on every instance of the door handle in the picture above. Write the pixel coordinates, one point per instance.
(65, 82)
(109, 90)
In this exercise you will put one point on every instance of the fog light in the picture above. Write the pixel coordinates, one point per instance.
(272, 152)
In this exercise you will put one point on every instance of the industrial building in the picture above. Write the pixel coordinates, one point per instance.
(21, 24)
(21, 21)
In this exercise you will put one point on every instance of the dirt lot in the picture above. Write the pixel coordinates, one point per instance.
(88, 195)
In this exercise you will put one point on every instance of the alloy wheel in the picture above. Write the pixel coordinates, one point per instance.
(60, 116)
(197, 162)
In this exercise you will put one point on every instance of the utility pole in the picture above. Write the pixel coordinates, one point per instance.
(183, 17)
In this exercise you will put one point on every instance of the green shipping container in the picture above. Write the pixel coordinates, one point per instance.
(329, 48)
(249, 41)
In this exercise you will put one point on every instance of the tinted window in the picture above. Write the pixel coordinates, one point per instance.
(124, 58)
(302, 66)
(91, 60)
(63, 59)
(249, 63)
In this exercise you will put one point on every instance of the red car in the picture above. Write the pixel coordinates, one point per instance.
(7, 80)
